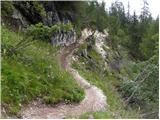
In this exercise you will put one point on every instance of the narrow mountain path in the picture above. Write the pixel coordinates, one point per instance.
(94, 99)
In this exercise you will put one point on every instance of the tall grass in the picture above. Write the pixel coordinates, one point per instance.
(34, 72)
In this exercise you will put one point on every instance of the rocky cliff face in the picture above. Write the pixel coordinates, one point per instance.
(48, 12)
(23, 13)
(110, 60)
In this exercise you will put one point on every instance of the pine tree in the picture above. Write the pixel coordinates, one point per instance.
(134, 36)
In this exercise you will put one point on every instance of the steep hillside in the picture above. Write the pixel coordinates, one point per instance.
(94, 99)
(20, 14)
(33, 73)
(75, 59)
(49, 12)
(90, 65)
(108, 69)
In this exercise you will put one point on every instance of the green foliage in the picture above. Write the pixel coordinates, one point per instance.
(6, 43)
(94, 55)
(146, 93)
(113, 98)
(137, 35)
(7, 8)
(96, 115)
(39, 8)
(9, 47)
(42, 32)
(97, 76)
(34, 72)
(97, 17)
(28, 74)
(123, 38)
(66, 27)
(148, 45)
(83, 46)
(143, 85)
(39, 31)
(99, 115)
(150, 40)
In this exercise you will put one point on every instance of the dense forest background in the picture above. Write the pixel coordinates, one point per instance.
(139, 36)
(133, 41)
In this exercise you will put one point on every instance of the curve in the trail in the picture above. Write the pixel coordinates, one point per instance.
(94, 99)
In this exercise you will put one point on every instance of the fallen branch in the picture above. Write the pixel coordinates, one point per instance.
(133, 93)
(149, 113)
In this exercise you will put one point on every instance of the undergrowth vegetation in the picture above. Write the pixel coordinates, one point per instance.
(105, 81)
(131, 87)
(43, 32)
(127, 74)
(34, 72)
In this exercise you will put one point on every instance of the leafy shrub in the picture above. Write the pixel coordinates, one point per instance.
(42, 32)
(39, 31)
(39, 8)
(144, 86)
(148, 46)
(7, 8)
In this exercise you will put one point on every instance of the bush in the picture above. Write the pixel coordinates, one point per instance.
(39, 8)
(145, 86)
(39, 31)
(148, 46)
(7, 8)
(42, 32)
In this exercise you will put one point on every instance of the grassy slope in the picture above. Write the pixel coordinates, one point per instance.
(106, 83)
(34, 72)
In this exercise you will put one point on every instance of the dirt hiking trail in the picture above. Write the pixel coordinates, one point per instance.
(94, 99)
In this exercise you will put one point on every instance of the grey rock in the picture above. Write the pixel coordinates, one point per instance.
(64, 38)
